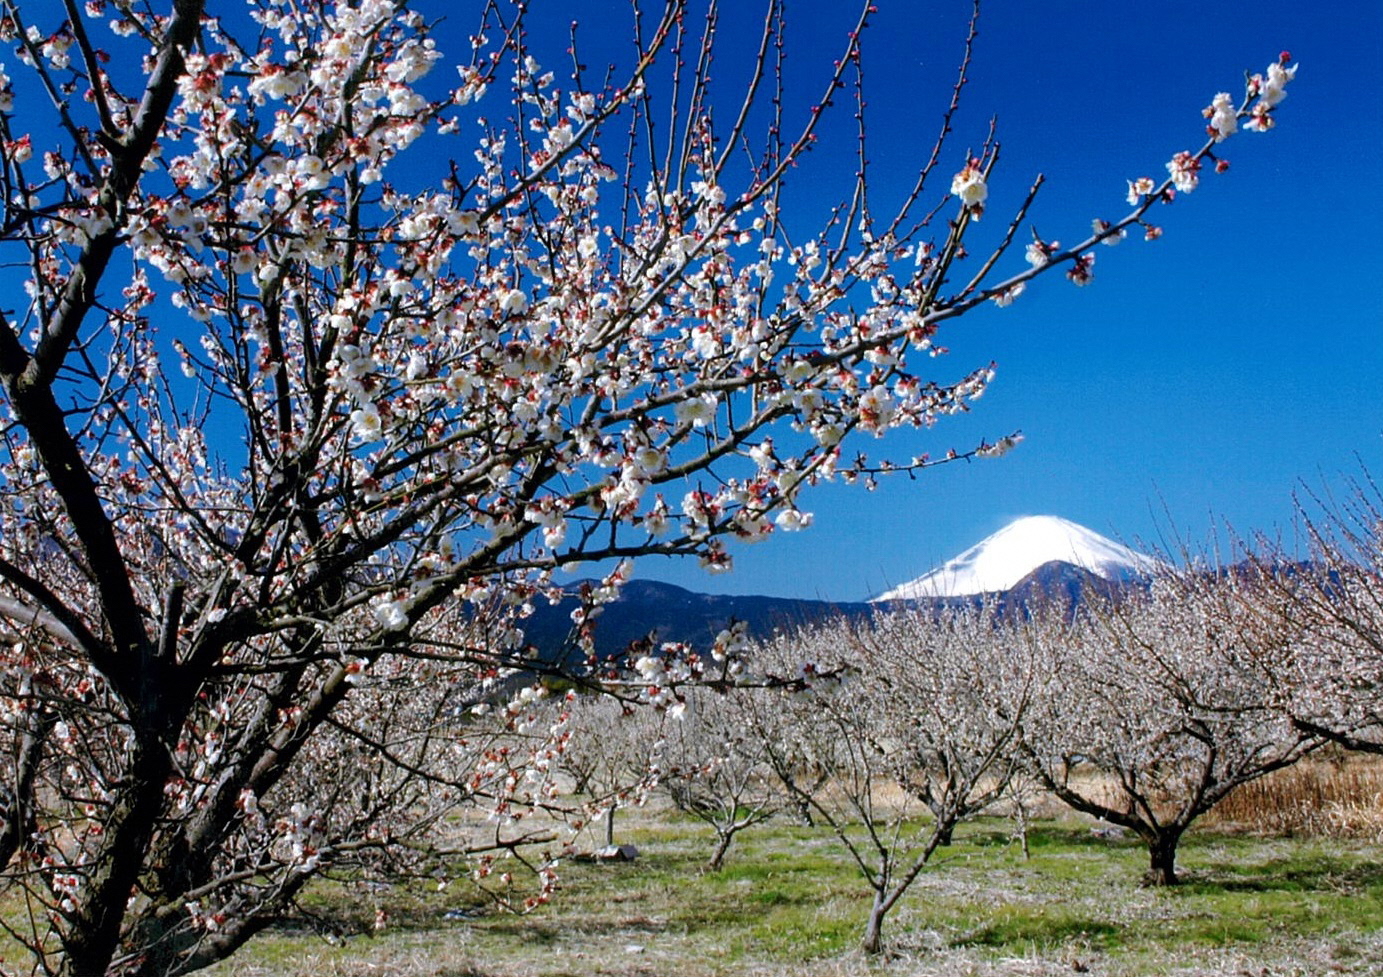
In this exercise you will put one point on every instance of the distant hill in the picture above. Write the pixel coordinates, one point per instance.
(1032, 560)
(664, 612)
(1062, 581)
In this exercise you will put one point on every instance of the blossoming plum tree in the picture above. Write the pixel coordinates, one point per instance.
(929, 713)
(1327, 612)
(614, 755)
(716, 768)
(1157, 706)
(316, 369)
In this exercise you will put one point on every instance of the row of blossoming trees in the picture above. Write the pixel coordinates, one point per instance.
(317, 365)
(1143, 708)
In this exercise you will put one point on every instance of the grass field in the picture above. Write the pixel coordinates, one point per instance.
(789, 903)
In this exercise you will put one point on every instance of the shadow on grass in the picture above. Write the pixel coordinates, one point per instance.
(1321, 873)
(1047, 838)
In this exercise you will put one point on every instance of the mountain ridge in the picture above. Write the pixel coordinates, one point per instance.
(650, 611)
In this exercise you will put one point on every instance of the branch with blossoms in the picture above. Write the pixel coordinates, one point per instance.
(1263, 93)
(1320, 614)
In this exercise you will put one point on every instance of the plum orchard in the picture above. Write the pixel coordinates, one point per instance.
(291, 445)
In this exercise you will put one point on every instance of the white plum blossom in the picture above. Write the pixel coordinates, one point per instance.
(514, 302)
(706, 343)
(1223, 120)
(1272, 89)
(650, 668)
(712, 193)
(55, 49)
(19, 150)
(1039, 253)
(656, 520)
(417, 365)
(1098, 227)
(716, 559)
(650, 460)
(697, 411)
(391, 613)
(1004, 297)
(877, 408)
(555, 535)
(969, 185)
(276, 82)
(1140, 188)
(244, 261)
(1184, 169)
(701, 508)
(1082, 270)
(367, 424)
(1000, 447)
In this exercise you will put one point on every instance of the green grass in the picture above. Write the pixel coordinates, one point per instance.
(1011, 927)
(789, 902)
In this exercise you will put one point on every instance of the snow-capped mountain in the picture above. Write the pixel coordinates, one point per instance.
(999, 562)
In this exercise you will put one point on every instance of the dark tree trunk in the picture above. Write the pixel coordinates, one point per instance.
(1162, 855)
(93, 932)
(873, 940)
(722, 846)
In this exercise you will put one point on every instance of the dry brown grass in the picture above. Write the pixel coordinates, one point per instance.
(1334, 797)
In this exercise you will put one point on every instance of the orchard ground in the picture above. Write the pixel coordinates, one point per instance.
(789, 904)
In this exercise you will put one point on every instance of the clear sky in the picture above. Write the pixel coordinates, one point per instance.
(1201, 378)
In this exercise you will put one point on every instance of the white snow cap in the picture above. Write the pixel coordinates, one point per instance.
(998, 562)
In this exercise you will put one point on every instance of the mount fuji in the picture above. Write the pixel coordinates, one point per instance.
(1002, 561)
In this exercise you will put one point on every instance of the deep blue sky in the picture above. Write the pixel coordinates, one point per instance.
(1202, 378)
